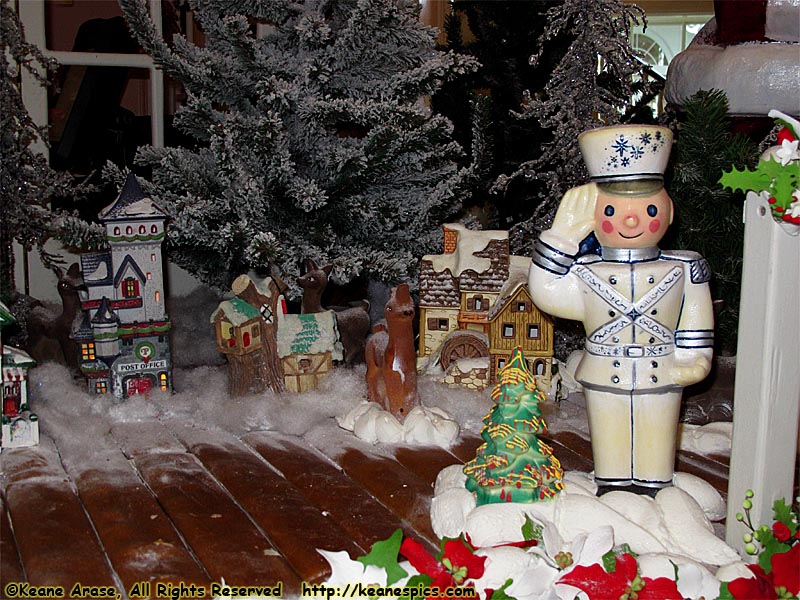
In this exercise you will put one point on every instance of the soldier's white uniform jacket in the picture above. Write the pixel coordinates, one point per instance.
(644, 312)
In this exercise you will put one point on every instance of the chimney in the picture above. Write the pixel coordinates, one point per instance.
(450, 240)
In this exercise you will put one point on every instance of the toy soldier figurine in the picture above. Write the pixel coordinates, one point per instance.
(647, 313)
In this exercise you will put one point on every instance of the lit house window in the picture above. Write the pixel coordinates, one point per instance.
(116, 231)
(157, 296)
(508, 330)
(154, 229)
(533, 332)
(100, 387)
(87, 351)
(153, 257)
(129, 230)
(130, 288)
(162, 381)
(142, 229)
(149, 276)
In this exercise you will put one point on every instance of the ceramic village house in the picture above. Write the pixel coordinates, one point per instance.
(268, 348)
(475, 308)
(123, 331)
(20, 426)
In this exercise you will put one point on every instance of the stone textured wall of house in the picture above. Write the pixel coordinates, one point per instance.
(473, 379)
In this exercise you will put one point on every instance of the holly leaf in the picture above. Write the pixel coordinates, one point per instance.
(610, 557)
(782, 512)
(724, 593)
(385, 554)
(771, 548)
(419, 580)
(786, 182)
(500, 593)
(785, 514)
(530, 530)
(745, 179)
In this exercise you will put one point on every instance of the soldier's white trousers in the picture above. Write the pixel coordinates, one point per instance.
(633, 436)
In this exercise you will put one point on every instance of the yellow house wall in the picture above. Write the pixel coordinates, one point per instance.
(431, 340)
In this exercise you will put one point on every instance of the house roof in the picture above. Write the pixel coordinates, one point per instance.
(517, 278)
(236, 310)
(6, 317)
(15, 358)
(314, 333)
(82, 327)
(468, 253)
(437, 289)
(105, 315)
(131, 204)
(128, 262)
(96, 268)
(479, 263)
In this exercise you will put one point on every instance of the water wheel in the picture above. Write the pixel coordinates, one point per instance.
(463, 344)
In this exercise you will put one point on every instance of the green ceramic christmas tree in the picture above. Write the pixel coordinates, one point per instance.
(514, 465)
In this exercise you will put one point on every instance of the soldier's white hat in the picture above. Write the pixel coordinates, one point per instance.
(620, 155)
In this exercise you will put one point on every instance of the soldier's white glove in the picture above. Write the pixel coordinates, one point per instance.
(574, 219)
(689, 374)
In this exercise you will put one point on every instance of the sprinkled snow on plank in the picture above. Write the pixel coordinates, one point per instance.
(138, 537)
(56, 540)
(402, 492)
(146, 437)
(219, 532)
(466, 447)
(336, 495)
(295, 527)
(425, 461)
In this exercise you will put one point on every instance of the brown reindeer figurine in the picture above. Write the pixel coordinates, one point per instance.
(49, 331)
(391, 360)
(352, 322)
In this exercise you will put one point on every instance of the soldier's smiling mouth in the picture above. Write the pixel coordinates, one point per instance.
(632, 237)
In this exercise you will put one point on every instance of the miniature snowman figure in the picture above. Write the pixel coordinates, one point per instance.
(647, 313)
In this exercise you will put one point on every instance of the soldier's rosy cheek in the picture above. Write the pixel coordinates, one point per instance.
(655, 225)
(607, 226)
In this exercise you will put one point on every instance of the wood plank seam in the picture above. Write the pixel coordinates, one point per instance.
(236, 502)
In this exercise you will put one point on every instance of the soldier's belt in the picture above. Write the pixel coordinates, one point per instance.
(629, 350)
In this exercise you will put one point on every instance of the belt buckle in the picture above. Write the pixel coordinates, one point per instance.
(634, 351)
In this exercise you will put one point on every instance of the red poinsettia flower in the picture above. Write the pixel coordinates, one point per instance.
(781, 531)
(759, 587)
(458, 562)
(785, 134)
(623, 584)
(786, 569)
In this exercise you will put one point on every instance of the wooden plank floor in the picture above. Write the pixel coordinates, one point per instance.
(178, 505)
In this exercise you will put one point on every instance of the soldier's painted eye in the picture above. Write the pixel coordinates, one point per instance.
(652, 210)
(609, 211)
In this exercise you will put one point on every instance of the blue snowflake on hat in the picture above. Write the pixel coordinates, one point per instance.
(621, 145)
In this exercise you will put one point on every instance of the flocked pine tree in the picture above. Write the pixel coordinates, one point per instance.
(27, 183)
(593, 84)
(513, 464)
(313, 139)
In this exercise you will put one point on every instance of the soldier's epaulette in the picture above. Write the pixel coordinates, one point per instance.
(698, 266)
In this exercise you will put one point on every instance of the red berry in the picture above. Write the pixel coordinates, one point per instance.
(772, 200)
(785, 134)
(779, 209)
